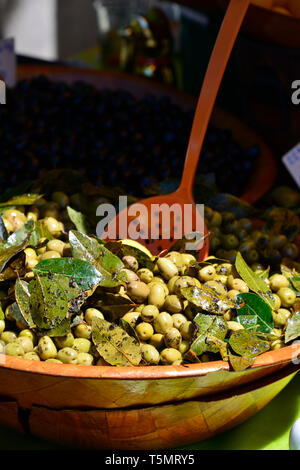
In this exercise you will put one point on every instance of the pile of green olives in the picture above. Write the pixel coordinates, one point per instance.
(259, 248)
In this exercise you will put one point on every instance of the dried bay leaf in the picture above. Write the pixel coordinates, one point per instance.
(15, 243)
(293, 328)
(208, 299)
(114, 344)
(23, 300)
(113, 305)
(78, 219)
(253, 280)
(247, 344)
(48, 303)
(239, 363)
(81, 274)
(108, 264)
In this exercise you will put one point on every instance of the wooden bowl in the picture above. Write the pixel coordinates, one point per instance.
(104, 407)
(265, 172)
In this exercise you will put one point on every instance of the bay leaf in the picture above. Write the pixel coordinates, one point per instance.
(23, 300)
(15, 268)
(78, 219)
(113, 305)
(108, 264)
(21, 200)
(217, 330)
(16, 314)
(15, 243)
(293, 328)
(239, 363)
(253, 305)
(114, 344)
(253, 281)
(247, 344)
(121, 249)
(129, 329)
(295, 281)
(213, 325)
(250, 322)
(208, 299)
(61, 329)
(81, 274)
(48, 303)
(217, 345)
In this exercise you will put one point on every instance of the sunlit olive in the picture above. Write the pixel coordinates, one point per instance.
(67, 356)
(157, 340)
(131, 318)
(56, 245)
(14, 349)
(217, 286)
(66, 341)
(145, 275)
(49, 255)
(187, 330)
(15, 217)
(138, 291)
(144, 331)
(167, 268)
(187, 258)
(224, 268)
(287, 296)
(163, 322)
(206, 273)
(173, 304)
(149, 313)
(175, 257)
(170, 355)
(172, 338)
(237, 284)
(130, 262)
(157, 295)
(281, 317)
(277, 281)
(150, 354)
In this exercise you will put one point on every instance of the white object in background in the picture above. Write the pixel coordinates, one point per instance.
(8, 64)
(295, 436)
(292, 162)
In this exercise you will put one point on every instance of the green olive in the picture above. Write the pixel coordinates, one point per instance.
(131, 276)
(172, 338)
(157, 340)
(15, 217)
(187, 330)
(49, 255)
(145, 275)
(184, 346)
(217, 286)
(26, 343)
(183, 282)
(138, 291)
(67, 356)
(232, 293)
(277, 281)
(91, 313)
(56, 245)
(277, 344)
(167, 268)
(131, 318)
(82, 345)
(227, 217)
(246, 224)
(157, 295)
(208, 212)
(64, 341)
(178, 320)
(149, 313)
(278, 241)
(171, 283)
(144, 331)
(237, 284)
(173, 304)
(287, 296)
(207, 273)
(46, 348)
(32, 356)
(232, 227)
(187, 258)
(281, 317)
(150, 354)
(170, 355)
(175, 257)
(29, 334)
(224, 269)
(54, 226)
(214, 243)
(130, 262)
(83, 330)
(14, 349)
(162, 322)
(229, 241)
(8, 337)
(84, 359)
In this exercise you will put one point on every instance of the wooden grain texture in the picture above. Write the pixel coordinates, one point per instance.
(265, 171)
(158, 427)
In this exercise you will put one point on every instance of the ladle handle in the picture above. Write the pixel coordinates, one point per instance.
(229, 30)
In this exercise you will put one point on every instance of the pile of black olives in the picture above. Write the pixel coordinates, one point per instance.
(109, 136)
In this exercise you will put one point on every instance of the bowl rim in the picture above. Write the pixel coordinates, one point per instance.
(284, 356)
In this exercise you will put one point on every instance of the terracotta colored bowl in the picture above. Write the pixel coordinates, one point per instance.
(137, 407)
(265, 172)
